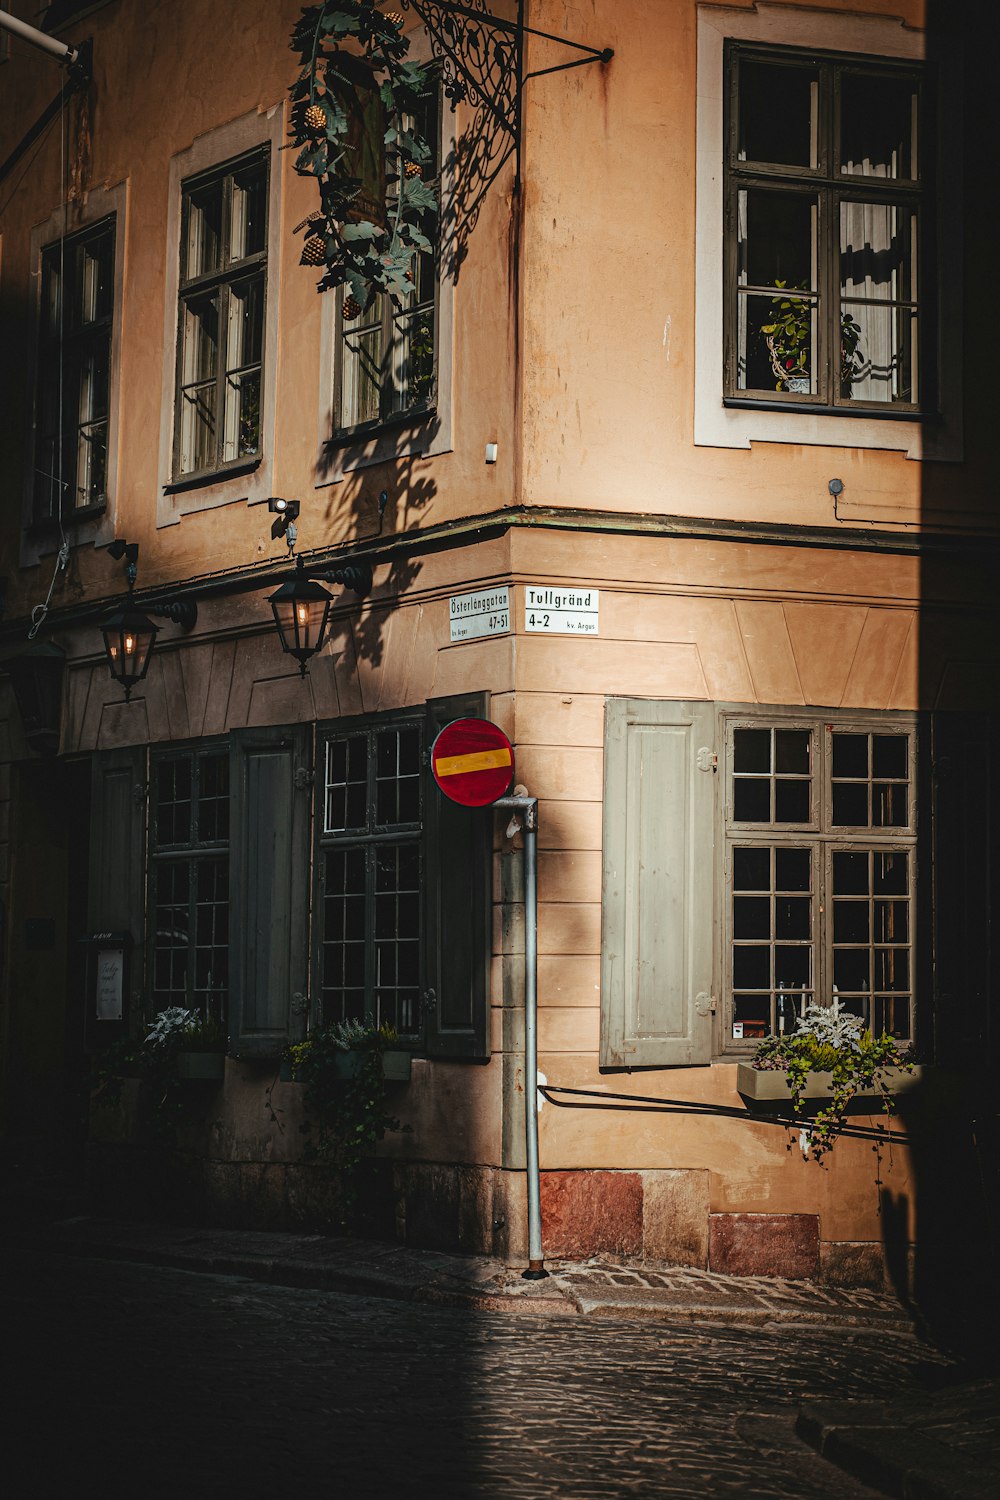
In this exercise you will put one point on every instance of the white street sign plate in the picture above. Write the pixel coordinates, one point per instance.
(561, 611)
(486, 612)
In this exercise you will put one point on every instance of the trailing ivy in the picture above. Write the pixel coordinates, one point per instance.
(350, 105)
(830, 1040)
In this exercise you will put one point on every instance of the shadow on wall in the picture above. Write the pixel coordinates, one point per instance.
(954, 1117)
(384, 501)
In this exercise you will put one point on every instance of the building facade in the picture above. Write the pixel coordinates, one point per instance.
(672, 465)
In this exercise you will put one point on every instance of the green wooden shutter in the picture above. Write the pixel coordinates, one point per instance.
(657, 944)
(269, 864)
(116, 895)
(458, 844)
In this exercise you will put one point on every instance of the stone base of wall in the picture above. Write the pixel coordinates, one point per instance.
(656, 1216)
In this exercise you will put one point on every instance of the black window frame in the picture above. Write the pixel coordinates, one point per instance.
(222, 281)
(831, 188)
(192, 852)
(370, 839)
(67, 346)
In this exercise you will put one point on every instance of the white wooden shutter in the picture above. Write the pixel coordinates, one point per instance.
(658, 919)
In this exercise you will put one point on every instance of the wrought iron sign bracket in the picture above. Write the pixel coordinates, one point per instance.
(482, 61)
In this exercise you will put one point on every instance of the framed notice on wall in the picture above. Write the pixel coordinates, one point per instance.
(107, 982)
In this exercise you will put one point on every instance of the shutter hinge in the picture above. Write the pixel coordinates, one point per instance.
(428, 1000)
(303, 778)
(707, 759)
(139, 793)
(704, 1004)
(300, 1003)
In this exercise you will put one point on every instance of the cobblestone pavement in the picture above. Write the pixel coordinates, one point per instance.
(152, 1382)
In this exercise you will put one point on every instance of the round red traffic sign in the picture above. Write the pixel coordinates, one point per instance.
(473, 762)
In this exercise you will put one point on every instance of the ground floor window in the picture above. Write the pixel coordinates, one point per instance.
(189, 880)
(756, 860)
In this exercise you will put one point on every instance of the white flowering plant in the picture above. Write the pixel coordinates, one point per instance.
(829, 1039)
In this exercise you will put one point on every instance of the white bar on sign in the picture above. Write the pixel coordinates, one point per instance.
(561, 611)
(485, 612)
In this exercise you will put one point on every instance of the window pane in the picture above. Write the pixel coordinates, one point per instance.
(397, 935)
(752, 750)
(751, 968)
(878, 135)
(850, 922)
(877, 335)
(344, 935)
(751, 1015)
(791, 752)
(850, 755)
(891, 874)
(248, 235)
(791, 801)
(346, 783)
(793, 967)
(777, 114)
(850, 874)
(752, 869)
(777, 241)
(96, 278)
(889, 758)
(414, 359)
(776, 344)
(792, 916)
(213, 799)
(850, 804)
(792, 870)
(751, 917)
(751, 800)
(362, 368)
(397, 782)
(889, 805)
(892, 921)
(173, 802)
(204, 229)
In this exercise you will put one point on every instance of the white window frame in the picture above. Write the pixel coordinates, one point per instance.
(422, 433)
(720, 426)
(177, 498)
(94, 530)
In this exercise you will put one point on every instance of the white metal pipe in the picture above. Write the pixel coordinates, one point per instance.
(528, 807)
(36, 38)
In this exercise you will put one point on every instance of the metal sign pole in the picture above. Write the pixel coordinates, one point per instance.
(528, 806)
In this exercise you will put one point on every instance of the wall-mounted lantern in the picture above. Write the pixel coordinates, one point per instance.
(37, 676)
(301, 611)
(129, 638)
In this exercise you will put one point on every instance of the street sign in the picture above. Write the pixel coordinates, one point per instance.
(486, 612)
(473, 762)
(562, 611)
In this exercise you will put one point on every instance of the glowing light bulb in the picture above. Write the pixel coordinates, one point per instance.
(129, 645)
(302, 613)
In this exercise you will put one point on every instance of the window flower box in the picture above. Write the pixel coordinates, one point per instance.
(769, 1090)
(201, 1067)
(395, 1064)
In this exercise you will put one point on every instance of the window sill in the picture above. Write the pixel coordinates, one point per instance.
(48, 528)
(348, 436)
(882, 414)
(214, 476)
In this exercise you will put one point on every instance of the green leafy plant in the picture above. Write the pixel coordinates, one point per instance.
(352, 113)
(830, 1040)
(788, 336)
(345, 1107)
(153, 1059)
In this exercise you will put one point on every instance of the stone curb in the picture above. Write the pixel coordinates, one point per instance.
(870, 1442)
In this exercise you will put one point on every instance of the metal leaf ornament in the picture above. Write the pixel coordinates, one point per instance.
(350, 102)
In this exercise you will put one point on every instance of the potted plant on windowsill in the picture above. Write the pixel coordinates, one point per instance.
(833, 1060)
(788, 338)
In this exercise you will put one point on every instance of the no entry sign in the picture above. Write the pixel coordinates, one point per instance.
(472, 762)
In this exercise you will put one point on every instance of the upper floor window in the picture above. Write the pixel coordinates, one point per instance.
(223, 277)
(825, 180)
(386, 355)
(74, 374)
